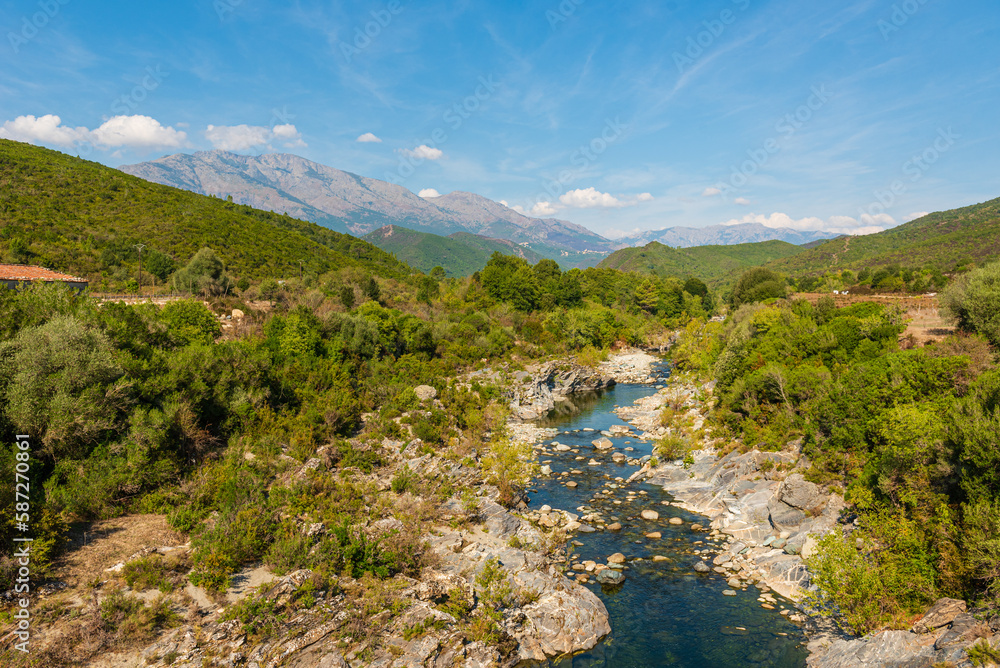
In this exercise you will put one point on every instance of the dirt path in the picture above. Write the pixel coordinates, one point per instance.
(925, 323)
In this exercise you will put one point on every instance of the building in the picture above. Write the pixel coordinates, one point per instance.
(13, 275)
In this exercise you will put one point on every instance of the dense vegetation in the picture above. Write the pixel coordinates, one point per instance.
(945, 241)
(460, 254)
(711, 264)
(908, 435)
(83, 218)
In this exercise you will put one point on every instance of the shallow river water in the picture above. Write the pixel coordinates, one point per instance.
(665, 614)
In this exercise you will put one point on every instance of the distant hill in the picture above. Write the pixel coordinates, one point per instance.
(711, 264)
(351, 203)
(459, 254)
(82, 217)
(942, 240)
(722, 235)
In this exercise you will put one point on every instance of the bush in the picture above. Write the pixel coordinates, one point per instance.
(756, 285)
(204, 274)
(973, 300)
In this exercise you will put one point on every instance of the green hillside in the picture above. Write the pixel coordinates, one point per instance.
(81, 217)
(940, 240)
(711, 264)
(459, 254)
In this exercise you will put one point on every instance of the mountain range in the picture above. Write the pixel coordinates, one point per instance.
(347, 202)
(723, 235)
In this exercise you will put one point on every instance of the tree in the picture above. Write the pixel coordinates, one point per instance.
(61, 386)
(371, 289)
(158, 264)
(647, 296)
(756, 285)
(973, 300)
(205, 273)
(347, 296)
(190, 321)
(511, 279)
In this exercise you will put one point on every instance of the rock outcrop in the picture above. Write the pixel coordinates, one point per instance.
(537, 394)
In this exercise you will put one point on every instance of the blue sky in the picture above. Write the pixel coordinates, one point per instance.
(620, 116)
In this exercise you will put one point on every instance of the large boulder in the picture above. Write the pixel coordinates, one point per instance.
(784, 517)
(425, 392)
(798, 492)
(942, 613)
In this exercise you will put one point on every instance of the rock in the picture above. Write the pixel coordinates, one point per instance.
(593, 462)
(696, 527)
(614, 526)
(676, 520)
(654, 534)
(729, 592)
(960, 626)
(500, 522)
(562, 447)
(425, 392)
(616, 558)
(238, 314)
(618, 458)
(610, 576)
(808, 547)
(545, 470)
(659, 558)
(702, 567)
(650, 515)
(572, 484)
(942, 613)
(603, 443)
(783, 516)
(799, 493)
(734, 583)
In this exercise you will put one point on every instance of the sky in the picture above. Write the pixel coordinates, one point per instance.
(851, 116)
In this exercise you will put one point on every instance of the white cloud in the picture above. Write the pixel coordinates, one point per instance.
(46, 129)
(368, 138)
(118, 132)
(711, 192)
(429, 193)
(244, 137)
(645, 197)
(742, 201)
(590, 198)
(137, 132)
(423, 152)
(839, 224)
(914, 216)
(539, 209)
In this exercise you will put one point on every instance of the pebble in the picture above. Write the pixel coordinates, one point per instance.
(729, 592)
(615, 526)
(572, 484)
(654, 534)
(650, 515)
(616, 558)
(659, 558)
(676, 520)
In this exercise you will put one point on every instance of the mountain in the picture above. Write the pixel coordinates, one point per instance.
(459, 254)
(943, 240)
(711, 264)
(82, 218)
(350, 203)
(722, 235)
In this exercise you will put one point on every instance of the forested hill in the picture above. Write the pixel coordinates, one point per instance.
(942, 240)
(459, 254)
(708, 263)
(83, 218)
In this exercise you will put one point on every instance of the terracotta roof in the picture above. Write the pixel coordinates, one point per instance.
(23, 272)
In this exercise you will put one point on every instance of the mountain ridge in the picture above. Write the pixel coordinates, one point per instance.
(348, 202)
(723, 235)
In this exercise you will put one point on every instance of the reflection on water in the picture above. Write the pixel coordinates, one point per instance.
(664, 614)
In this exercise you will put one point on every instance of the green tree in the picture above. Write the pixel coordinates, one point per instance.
(190, 321)
(647, 296)
(347, 296)
(756, 285)
(61, 386)
(973, 300)
(511, 279)
(203, 274)
(158, 264)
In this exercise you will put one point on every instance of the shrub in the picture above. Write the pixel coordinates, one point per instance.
(982, 653)
(756, 285)
(973, 300)
(203, 274)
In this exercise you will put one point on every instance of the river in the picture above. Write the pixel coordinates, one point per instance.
(665, 614)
